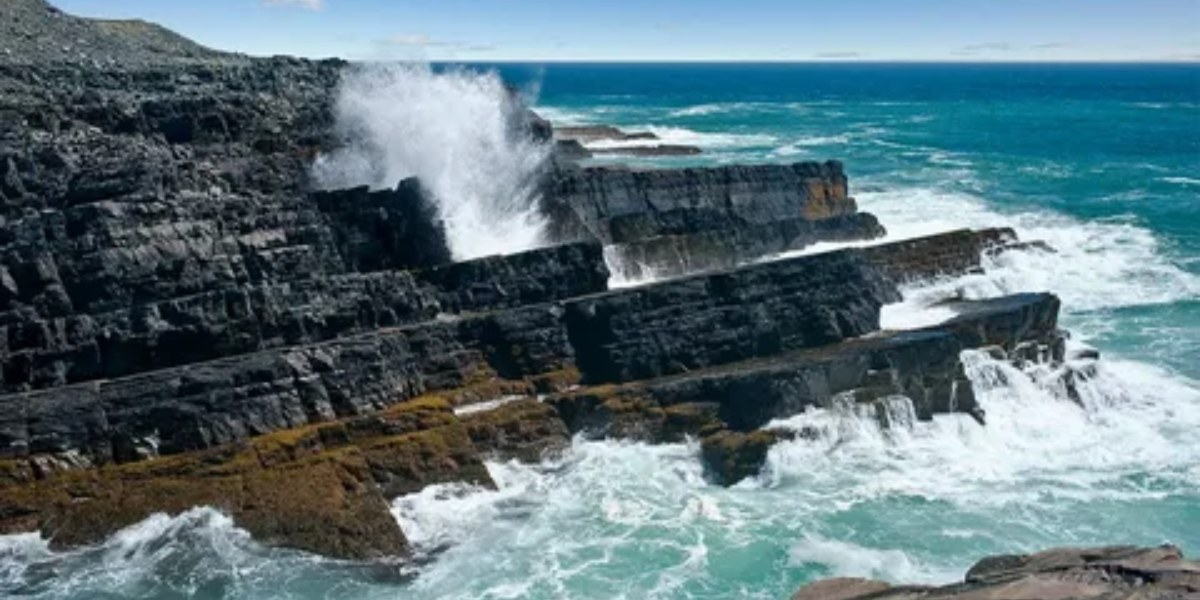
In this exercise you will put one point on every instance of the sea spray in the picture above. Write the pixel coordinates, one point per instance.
(460, 132)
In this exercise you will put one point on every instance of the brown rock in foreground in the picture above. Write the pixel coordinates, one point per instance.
(1111, 573)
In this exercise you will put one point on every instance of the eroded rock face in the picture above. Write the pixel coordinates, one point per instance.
(666, 223)
(622, 205)
(1118, 572)
(728, 317)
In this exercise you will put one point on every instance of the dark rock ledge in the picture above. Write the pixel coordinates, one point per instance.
(1111, 573)
(184, 321)
(573, 142)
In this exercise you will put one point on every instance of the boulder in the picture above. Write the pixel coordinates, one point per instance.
(1120, 572)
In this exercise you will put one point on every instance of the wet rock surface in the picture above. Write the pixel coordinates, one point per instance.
(1119, 572)
(185, 321)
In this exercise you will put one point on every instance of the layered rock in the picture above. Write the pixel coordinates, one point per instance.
(665, 223)
(1116, 572)
(728, 405)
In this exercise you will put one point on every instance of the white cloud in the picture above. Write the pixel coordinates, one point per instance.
(308, 4)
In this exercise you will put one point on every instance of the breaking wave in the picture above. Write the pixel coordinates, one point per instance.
(458, 132)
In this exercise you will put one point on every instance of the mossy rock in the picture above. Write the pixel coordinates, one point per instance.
(693, 419)
(526, 430)
(731, 456)
(327, 503)
(557, 382)
(407, 464)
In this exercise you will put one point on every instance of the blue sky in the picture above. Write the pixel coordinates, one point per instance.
(486, 30)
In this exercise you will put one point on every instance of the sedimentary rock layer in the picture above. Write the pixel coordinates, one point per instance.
(727, 405)
(617, 336)
(619, 205)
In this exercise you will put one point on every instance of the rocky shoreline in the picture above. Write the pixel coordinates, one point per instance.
(187, 322)
(1117, 572)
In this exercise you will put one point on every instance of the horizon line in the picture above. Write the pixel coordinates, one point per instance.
(760, 61)
(817, 61)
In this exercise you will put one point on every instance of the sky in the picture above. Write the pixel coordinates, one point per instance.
(701, 30)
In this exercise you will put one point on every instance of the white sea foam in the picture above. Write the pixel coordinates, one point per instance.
(455, 132)
(1037, 442)
(708, 109)
(844, 559)
(196, 554)
(914, 313)
(561, 116)
(723, 108)
(580, 528)
(1165, 105)
(1188, 181)
(687, 137)
(1096, 265)
(802, 145)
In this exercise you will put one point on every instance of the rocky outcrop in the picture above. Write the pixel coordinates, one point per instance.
(949, 254)
(323, 488)
(727, 406)
(704, 321)
(665, 223)
(1117, 572)
(620, 205)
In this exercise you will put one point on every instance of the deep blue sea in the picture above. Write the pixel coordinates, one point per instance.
(1102, 162)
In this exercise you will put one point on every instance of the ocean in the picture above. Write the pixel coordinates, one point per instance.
(1102, 162)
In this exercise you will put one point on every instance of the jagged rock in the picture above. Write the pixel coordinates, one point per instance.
(1120, 572)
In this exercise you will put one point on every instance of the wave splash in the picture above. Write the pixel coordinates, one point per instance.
(458, 132)
(860, 498)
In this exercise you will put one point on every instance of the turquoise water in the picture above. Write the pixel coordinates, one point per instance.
(1100, 161)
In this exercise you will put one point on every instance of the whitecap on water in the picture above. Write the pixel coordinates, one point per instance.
(844, 559)
(687, 137)
(1185, 181)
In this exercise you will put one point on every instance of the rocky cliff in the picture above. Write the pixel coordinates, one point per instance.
(184, 321)
(665, 223)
